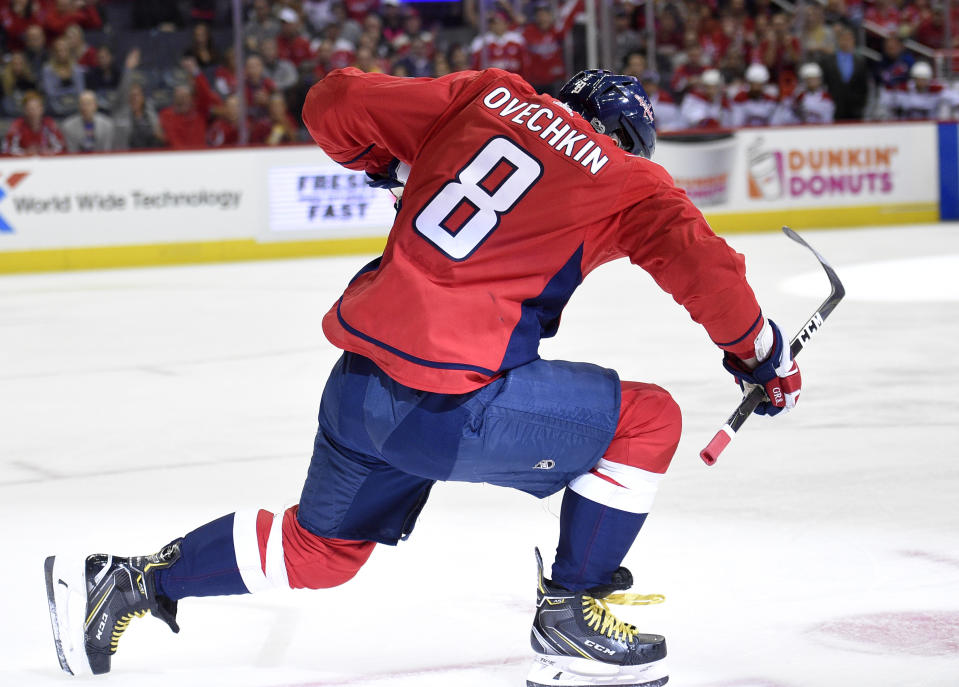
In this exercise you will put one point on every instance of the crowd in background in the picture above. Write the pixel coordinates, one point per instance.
(99, 75)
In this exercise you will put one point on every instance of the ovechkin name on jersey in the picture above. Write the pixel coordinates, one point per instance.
(550, 126)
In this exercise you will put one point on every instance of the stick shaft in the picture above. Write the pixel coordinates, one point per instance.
(756, 395)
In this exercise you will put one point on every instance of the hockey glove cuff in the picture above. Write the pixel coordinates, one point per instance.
(394, 179)
(773, 369)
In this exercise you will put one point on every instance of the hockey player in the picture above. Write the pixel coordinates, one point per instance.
(508, 200)
(706, 106)
(664, 107)
(919, 98)
(757, 103)
(811, 105)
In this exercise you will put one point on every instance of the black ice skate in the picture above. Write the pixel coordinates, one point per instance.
(93, 601)
(578, 641)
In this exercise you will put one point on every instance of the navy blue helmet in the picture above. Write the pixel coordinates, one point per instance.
(615, 105)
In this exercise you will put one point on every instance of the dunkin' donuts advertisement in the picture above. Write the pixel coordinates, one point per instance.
(806, 167)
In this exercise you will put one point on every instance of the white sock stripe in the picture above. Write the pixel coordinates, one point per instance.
(247, 551)
(635, 496)
(275, 560)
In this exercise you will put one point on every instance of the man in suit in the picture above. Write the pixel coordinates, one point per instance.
(88, 131)
(846, 77)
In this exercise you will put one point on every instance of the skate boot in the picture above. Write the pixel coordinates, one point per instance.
(93, 601)
(578, 641)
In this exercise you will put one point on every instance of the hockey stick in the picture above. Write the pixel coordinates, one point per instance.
(757, 393)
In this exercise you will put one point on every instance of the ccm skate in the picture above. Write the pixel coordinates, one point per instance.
(93, 601)
(579, 642)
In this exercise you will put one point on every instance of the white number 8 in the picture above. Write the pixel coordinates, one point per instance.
(486, 206)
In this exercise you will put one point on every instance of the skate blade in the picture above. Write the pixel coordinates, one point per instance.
(567, 671)
(67, 602)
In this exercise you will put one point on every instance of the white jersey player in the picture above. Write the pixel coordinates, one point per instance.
(757, 103)
(705, 105)
(919, 98)
(812, 104)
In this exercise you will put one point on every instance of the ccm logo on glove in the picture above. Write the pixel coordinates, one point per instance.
(773, 369)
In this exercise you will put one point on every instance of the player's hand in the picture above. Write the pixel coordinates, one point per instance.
(394, 178)
(773, 369)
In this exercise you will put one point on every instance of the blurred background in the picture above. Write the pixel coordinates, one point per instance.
(99, 75)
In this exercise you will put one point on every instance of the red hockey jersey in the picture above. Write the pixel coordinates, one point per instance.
(511, 200)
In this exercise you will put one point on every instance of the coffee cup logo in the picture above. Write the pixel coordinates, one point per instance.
(765, 171)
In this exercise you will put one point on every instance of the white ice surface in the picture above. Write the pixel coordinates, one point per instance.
(822, 550)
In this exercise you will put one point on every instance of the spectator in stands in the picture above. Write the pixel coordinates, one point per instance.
(366, 61)
(893, 68)
(756, 103)
(282, 128)
(350, 29)
(441, 64)
(931, 30)
(201, 47)
(291, 44)
(741, 19)
(82, 52)
(373, 28)
(669, 34)
(88, 131)
(780, 52)
(819, 38)
(343, 51)
(134, 116)
(846, 77)
(912, 16)
(413, 28)
(885, 15)
(58, 15)
(628, 39)
(499, 47)
(104, 77)
(459, 57)
(62, 80)
(259, 88)
(811, 104)
(417, 61)
(634, 64)
(837, 16)
(15, 17)
(545, 68)
(33, 134)
(321, 61)
(35, 48)
(705, 105)
(689, 69)
(665, 111)
(206, 100)
(281, 72)
(317, 14)
(391, 16)
(262, 25)
(225, 129)
(182, 124)
(357, 9)
(17, 80)
(224, 76)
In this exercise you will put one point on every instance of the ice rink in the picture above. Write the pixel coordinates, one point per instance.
(821, 551)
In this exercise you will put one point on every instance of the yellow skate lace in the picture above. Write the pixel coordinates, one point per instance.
(597, 615)
(121, 625)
